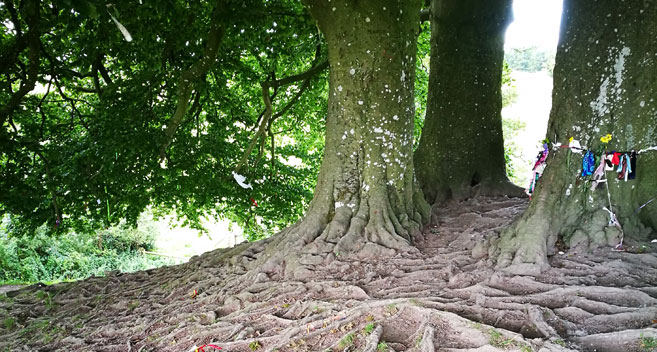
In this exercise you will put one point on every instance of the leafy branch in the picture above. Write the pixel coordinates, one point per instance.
(195, 72)
(268, 118)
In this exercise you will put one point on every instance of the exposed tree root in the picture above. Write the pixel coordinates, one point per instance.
(445, 297)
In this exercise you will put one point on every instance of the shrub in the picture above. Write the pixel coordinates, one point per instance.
(42, 256)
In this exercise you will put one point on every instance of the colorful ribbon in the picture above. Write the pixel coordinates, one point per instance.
(201, 349)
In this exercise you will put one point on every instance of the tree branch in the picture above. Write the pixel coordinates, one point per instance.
(33, 43)
(70, 101)
(103, 70)
(9, 53)
(43, 114)
(86, 90)
(273, 151)
(99, 90)
(261, 129)
(14, 17)
(266, 123)
(308, 74)
(288, 106)
(195, 72)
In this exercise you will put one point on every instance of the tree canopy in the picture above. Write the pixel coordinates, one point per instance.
(96, 138)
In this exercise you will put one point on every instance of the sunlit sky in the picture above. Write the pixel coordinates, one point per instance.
(536, 23)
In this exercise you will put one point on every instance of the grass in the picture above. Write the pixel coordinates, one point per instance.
(346, 341)
(45, 296)
(9, 323)
(368, 328)
(382, 347)
(497, 339)
(254, 345)
(648, 344)
(133, 305)
(476, 325)
(35, 326)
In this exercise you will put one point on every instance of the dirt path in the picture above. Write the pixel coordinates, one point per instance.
(444, 297)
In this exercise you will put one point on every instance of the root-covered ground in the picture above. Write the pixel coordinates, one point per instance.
(446, 297)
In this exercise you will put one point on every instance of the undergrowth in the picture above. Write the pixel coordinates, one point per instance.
(42, 256)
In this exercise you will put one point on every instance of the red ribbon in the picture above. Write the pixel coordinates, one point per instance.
(253, 202)
(200, 349)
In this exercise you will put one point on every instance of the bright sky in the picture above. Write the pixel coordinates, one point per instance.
(536, 23)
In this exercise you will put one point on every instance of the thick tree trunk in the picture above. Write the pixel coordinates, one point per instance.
(461, 149)
(605, 81)
(366, 199)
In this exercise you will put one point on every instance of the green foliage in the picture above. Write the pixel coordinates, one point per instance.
(497, 339)
(82, 151)
(511, 128)
(648, 344)
(382, 347)
(369, 328)
(39, 257)
(9, 323)
(254, 345)
(422, 78)
(509, 90)
(530, 59)
(346, 341)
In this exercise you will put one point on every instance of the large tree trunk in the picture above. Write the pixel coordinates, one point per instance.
(605, 81)
(366, 200)
(461, 150)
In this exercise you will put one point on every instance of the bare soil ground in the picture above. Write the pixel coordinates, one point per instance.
(446, 296)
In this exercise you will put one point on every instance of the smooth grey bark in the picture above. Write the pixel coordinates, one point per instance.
(605, 81)
(366, 200)
(461, 150)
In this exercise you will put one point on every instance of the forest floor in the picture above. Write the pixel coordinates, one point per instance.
(445, 297)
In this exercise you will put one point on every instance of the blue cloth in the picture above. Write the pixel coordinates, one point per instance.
(588, 164)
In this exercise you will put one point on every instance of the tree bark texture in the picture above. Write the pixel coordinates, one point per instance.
(461, 150)
(366, 200)
(605, 82)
